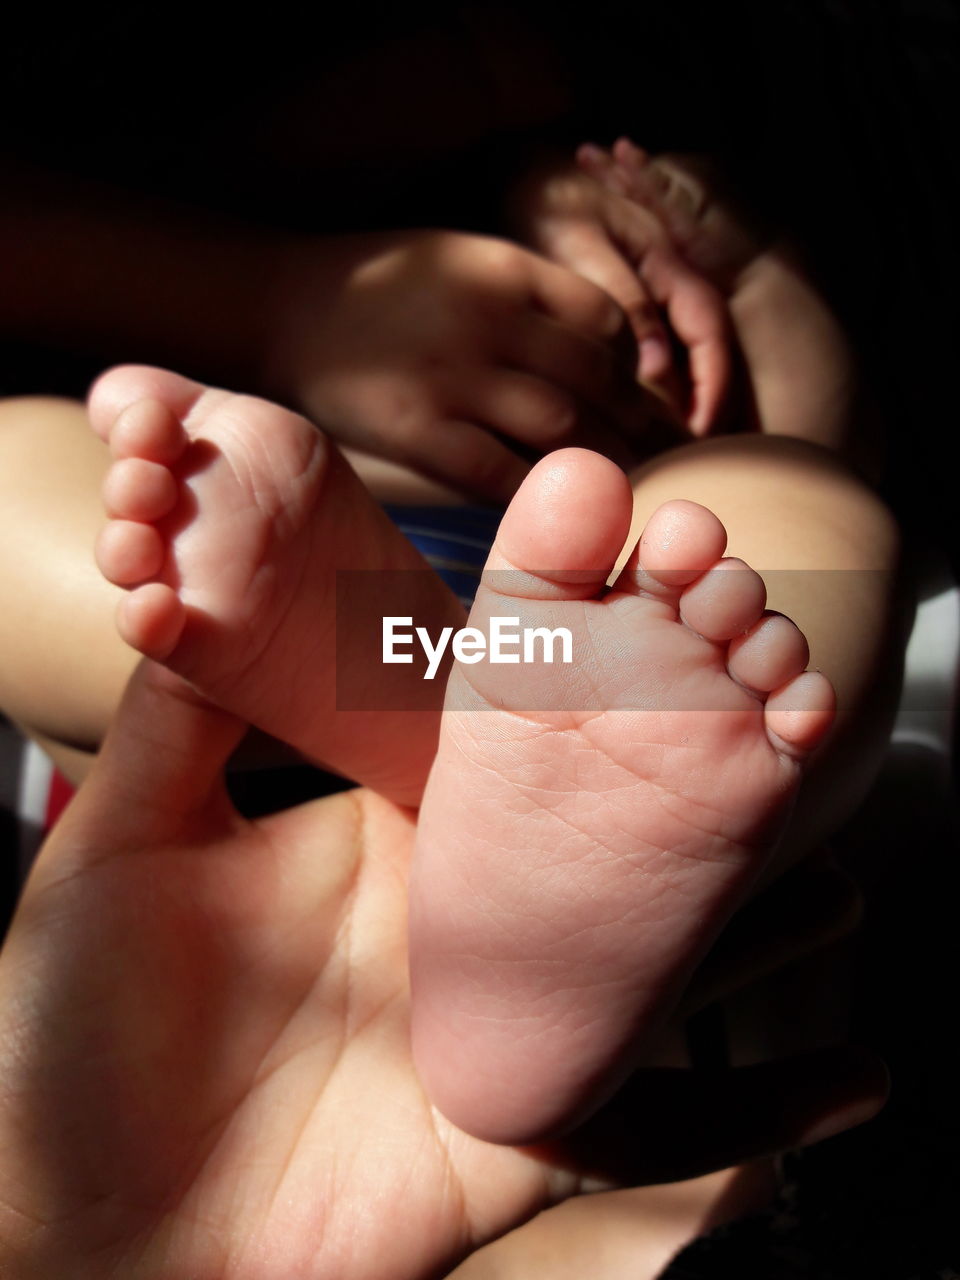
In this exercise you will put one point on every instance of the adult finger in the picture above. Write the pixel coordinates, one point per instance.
(667, 1125)
(811, 906)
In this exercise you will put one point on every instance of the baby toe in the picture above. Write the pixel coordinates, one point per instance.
(151, 620)
(566, 525)
(799, 715)
(725, 602)
(681, 540)
(771, 653)
(135, 489)
(129, 553)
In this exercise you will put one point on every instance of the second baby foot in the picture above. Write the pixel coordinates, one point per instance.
(588, 829)
(230, 518)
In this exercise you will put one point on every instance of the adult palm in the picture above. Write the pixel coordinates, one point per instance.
(204, 1049)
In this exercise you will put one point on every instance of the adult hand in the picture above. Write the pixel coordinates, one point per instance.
(204, 1048)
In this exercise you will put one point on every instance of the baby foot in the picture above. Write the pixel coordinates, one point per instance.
(587, 830)
(799, 363)
(229, 520)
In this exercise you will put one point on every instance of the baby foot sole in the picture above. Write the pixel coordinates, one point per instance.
(575, 861)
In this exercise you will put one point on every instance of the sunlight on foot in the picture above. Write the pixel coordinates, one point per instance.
(587, 830)
(229, 520)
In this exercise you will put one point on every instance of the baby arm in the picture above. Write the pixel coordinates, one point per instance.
(460, 356)
(800, 367)
(457, 355)
(678, 318)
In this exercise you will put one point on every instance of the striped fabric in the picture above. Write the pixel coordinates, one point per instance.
(453, 540)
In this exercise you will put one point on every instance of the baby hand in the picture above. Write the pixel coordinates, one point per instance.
(461, 356)
(597, 231)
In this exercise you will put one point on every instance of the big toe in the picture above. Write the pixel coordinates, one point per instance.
(566, 525)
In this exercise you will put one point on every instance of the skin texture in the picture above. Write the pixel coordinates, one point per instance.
(193, 598)
(34, 693)
(424, 347)
(204, 1046)
(830, 554)
(73, 686)
(438, 350)
(49, 441)
(586, 831)
(52, 467)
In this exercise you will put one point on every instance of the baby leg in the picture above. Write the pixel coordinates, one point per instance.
(64, 666)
